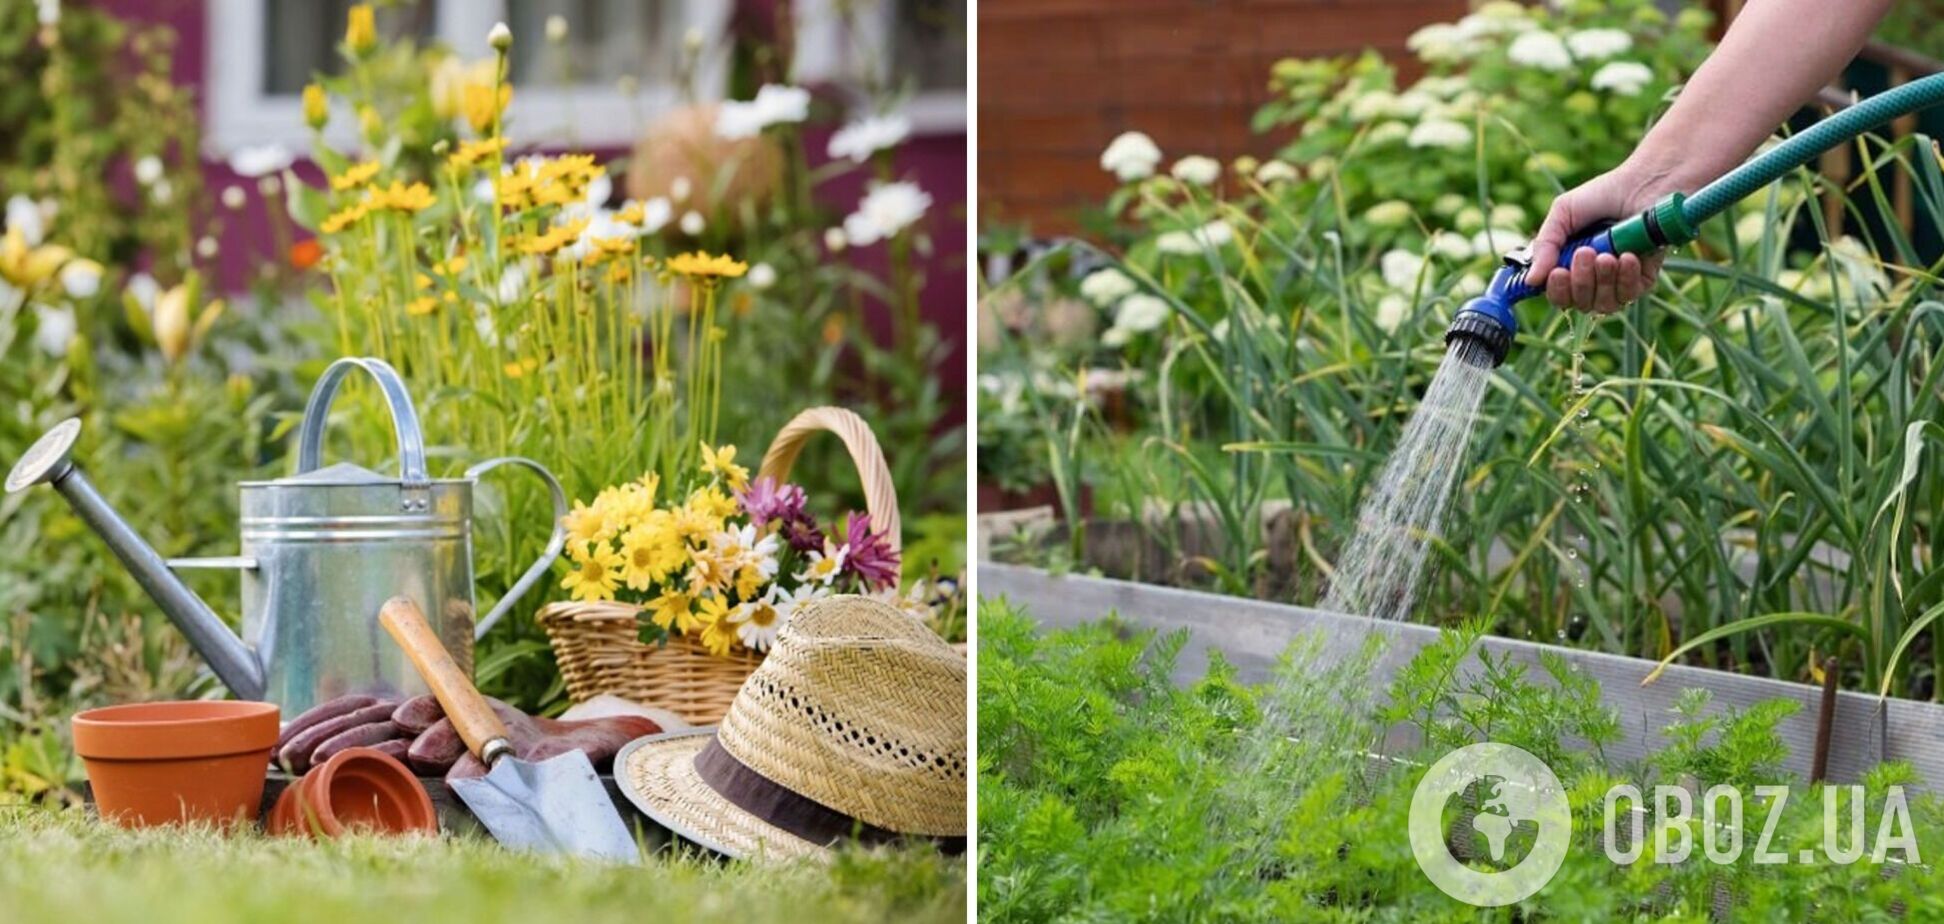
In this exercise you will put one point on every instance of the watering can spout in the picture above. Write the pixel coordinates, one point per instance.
(47, 461)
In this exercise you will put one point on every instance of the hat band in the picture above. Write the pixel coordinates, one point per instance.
(792, 811)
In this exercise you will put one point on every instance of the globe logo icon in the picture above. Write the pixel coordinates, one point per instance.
(1519, 802)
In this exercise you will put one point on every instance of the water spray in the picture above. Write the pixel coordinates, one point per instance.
(1481, 332)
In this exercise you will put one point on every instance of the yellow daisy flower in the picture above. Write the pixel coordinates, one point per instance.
(414, 198)
(355, 176)
(554, 238)
(518, 368)
(595, 574)
(345, 218)
(587, 524)
(722, 463)
(672, 611)
(422, 306)
(474, 152)
(718, 625)
(699, 265)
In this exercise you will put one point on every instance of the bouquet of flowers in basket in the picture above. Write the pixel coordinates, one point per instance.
(727, 564)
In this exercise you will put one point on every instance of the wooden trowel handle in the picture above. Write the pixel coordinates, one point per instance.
(477, 724)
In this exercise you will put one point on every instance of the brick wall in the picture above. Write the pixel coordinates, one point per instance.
(1059, 78)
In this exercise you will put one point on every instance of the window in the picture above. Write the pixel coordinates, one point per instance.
(262, 52)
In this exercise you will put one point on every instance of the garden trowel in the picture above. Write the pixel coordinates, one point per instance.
(557, 805)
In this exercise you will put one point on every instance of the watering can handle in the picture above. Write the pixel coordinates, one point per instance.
(411, 440)
(555, 543)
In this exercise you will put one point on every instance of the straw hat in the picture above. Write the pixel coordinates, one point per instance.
(853, 725)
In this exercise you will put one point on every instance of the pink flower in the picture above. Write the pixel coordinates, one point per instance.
(868, 555)
(766, 500)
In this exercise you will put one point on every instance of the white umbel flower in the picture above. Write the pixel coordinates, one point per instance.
(1401, 268)
(1196, 170)
(1598, 44)
(885, 211)
(869, 135)
(1391, 310)
(774, 105)
(1140, 313)
(1130, 156)
(1440, 42)
(1623, 78)
(1210, 236)
(1440, 133)
(1542, 50)
(1275, 171)
(1106, 286)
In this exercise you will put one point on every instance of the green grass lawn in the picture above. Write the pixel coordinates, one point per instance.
(64, 866)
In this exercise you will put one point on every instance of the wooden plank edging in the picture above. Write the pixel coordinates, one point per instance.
(1252, 633)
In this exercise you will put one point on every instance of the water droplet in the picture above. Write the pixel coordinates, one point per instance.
(1572, 552)
(1561, 635)
(1584, 412)
(1580, 583)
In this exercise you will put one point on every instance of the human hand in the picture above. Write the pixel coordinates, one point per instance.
(1601, 283)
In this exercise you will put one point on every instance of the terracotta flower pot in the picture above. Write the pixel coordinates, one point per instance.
(168, 763)
(356, 789)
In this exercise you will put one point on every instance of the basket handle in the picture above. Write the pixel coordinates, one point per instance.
(880, 495)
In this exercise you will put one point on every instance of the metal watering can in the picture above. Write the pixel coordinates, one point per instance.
(322, 551)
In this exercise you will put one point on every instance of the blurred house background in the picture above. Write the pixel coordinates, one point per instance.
(1058, 79)
(598, 88)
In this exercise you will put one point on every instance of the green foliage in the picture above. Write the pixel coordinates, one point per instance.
(1105, 792)
(1492, 130)
(1739, 471)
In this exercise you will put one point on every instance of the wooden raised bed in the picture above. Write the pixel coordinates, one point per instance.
(1253, 633)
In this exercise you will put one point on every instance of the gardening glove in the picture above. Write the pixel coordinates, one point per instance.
(357, 720)
(439, 750)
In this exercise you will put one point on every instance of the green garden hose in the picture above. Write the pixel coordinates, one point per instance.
(1484, 327)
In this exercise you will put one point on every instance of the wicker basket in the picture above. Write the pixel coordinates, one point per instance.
(597, 643)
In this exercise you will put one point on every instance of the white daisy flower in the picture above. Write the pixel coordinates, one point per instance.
(756, 622)
(1130, 156)
(834, 240)
(867, 136)
(774, 105)
(1106, 286)
(1623, 78)
(887, 210)
(789, 601)
(824, 566)
(692, 223)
